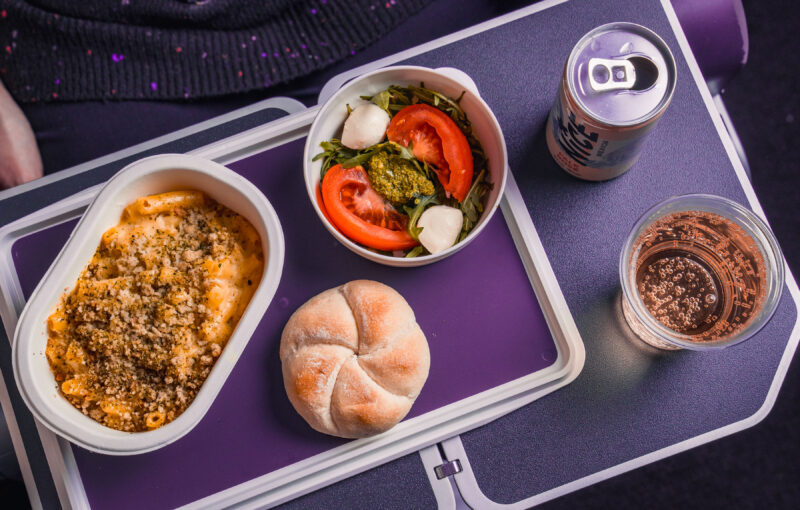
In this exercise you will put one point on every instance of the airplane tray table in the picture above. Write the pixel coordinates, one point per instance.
(632, 404)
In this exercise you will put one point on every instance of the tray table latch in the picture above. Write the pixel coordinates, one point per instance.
(449, 468)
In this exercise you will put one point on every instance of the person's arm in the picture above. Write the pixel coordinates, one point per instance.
(20, 161)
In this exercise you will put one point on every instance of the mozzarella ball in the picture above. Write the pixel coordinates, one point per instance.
(441, 225)
(365, 126)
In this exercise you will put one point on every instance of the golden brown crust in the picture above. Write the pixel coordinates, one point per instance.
(133, 342)
(380, 312)
(326, 318)
(309, 377)
(398, 367)
(360, 407)
(354, 359)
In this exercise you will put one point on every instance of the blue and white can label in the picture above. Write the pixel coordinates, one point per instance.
(616, 84)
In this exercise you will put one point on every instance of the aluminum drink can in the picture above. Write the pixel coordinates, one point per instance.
(617, 82)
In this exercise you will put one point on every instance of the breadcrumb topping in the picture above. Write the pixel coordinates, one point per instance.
(133, 342)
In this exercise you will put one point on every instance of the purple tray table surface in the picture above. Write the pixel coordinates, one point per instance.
(477, 308)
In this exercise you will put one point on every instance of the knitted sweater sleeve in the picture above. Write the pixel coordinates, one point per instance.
(63, 50)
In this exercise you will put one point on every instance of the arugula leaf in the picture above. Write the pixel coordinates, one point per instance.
(358, 159)
(472, 205)
(382, 100)
(406, 152)
(420, 204)
(333, 153)
(416, 252)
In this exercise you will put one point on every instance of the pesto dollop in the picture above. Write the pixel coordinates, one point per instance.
(396, 179)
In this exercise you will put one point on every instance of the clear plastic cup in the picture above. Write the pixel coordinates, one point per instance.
(699, 272)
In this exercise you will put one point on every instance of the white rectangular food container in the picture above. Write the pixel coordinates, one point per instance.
(148, 176)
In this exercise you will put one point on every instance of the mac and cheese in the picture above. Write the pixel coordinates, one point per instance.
(131, 345)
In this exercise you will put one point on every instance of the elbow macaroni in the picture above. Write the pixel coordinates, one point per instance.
(131, 345)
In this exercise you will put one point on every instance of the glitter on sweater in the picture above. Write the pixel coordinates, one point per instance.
(142, 57)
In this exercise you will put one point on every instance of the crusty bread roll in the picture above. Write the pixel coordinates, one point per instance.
(354, 359)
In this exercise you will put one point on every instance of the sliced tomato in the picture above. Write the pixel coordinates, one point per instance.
(428, 147)
(438, 141)
(360, 213)
(322, 206)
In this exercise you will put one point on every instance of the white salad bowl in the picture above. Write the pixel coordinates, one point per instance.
(148, 176)
(451, 82)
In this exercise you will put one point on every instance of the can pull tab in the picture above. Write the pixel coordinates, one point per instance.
(607, 74)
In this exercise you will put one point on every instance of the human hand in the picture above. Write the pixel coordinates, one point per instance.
(20, 160)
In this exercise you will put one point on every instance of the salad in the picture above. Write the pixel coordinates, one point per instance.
(408, 176)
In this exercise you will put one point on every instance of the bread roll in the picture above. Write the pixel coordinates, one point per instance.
(354, 359)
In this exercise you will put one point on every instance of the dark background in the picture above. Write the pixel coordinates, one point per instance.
(756, 468)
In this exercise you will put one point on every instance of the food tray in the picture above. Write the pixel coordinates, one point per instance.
(479, 310)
